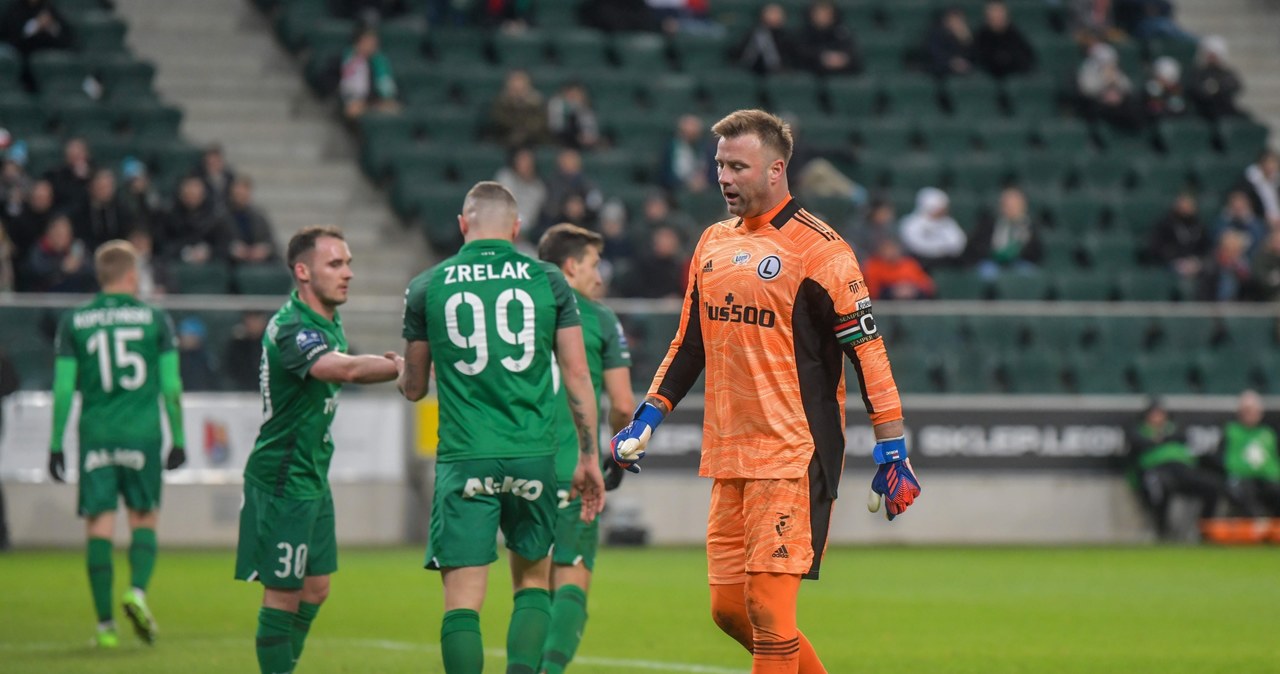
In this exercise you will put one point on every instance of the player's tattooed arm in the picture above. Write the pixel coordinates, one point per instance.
(413, 380)
(659, 403)
(585, 445)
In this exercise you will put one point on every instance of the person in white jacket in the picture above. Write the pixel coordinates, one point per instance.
(929, 232)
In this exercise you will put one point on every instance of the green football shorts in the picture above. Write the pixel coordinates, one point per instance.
(475, 499)
(108, 474)
(576, 541)
(282, 541)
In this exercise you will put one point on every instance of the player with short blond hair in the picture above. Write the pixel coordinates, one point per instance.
(775, 302)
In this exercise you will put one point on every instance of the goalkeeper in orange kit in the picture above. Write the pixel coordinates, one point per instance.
(775, 302)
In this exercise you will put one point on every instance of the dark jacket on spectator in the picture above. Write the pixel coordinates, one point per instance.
(70, 191)
(1175, 237)
(243, 354)
(1004, 53)
(942, 47)
(619, 15)
(25, 229)
(1214, 89)
(982, 244)
(16, 27)
(766, 50)
(813, 41)
(97, 224)
(251, 227)
(190, 227)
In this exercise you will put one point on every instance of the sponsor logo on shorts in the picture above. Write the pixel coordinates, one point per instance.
(125, 458)
(782, 524)
(528, 490)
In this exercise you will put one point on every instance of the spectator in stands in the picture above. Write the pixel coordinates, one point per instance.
(1227, 273)
(6, 260)
(1214, 85)
(509, 15)
(930, 233)
(571, 118)
(767, 48)
(195, 365)
(31, 222)
(572, 209)
(244, 351)
(625, 16)
(570, 181)
(33, 25)
(688, 163)
(153, 277)
(825, 45)
(659, 213)
(1164, 94)
(1105, 90)
(1238, 215)
(104, 216)
(194, 231)
(143, 200)
(1149, 20)
(685, 16)
(518, 116)
(58, 263)
(366, 81)
(14, 181)
(891, 275)
(1179, 239)
(999, 47)
(659, 271)
(71, 180)
(1164, 466)
(877, 226)
(1008, 240)
(253, 240)
(1249, 457)
(619, 242)
(949, 44)
(216, 176)
(1262, 183)
(369, 12)
(1266, 268)
(520, 176)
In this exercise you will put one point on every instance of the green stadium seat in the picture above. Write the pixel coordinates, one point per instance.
(448, 125)
(706, 206)
(1060, 334)
(908, 19)
(640, 131)
(1001, 334)
(1125, 143)
(910, 94)
(478, 162)
(21, 115)
(1185, 137)
(954, 284)
(974, 97)
(98, 32)
(211, 278)
(295, 22)
(380, 136)
(838, 212)
(671, 94)
(263, 279)
(1186, 335)
(827, 131)
(1241, 136)
(149, 119)
(125, 77)
(1125, 335)
(1078, 212)
(82, 117)
(402, 41)
(1182, 51)
(641, 52)
(581, 49)
(1044, 172)
(911, 371)
(328, 38)
(1006, 137)
(1062, 250)
(1104, 172)
(610, 167)
(1036, 371)
(890, 137)
(730, 90)
(1216, 175)
(916, 171)
(882, 54)
(853, 96)
(1163, 373)
(700, 53)
(979, 175)
(437, 207)
(43, 153)
(1146, 285)
(525, 49)
(969, 371)
(556, 15)
(1094, 378)
(1139, 213)
(1164, 173)
(1063, 135)
(463, 47)
(1091, 286)
(948, 138)
(57, 71)
(1224, 373)
(1111, 251)
(1059, 58)
(796, 93)
(1022, 287)
(1032, 98)
(1250, 335)
(933, 333)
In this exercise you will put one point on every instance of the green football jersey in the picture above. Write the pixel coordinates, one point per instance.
(116, 341)
(606, 350)
(490, 315)
(291, 455)
(1250, 452)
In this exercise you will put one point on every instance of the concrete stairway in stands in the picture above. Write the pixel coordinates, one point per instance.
(1252, 31)
(219, 60)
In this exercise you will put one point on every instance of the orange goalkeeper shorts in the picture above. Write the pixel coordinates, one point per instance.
(765, 526)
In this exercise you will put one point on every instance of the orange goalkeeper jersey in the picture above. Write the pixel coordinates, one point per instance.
(774, 304)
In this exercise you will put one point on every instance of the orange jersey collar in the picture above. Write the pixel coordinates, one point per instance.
(756, 221)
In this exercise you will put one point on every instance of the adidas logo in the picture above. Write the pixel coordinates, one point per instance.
(781, 553)
(706, 267)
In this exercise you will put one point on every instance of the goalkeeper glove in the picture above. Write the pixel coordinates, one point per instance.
(177, 457)
(613, 474)
(57, 466)
(628, 445)
(894, 485)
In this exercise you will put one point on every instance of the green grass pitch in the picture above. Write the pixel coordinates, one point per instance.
(978, 610)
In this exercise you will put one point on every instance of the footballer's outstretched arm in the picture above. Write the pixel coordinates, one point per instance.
(414, 380)
(340, 368)
(576, 375)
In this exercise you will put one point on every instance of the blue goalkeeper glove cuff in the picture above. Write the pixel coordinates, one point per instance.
(895, 485)
(888, 451)
(628, 445)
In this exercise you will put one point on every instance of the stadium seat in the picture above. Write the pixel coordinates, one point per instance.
(1125, 335)
(910, 95)
(1031, 287)
(974, 98)
(1242, 137)
(908, 19)
(521, 49)
(1163, 373)
(700, 53)
(1002, 334)
(1063, 135)
(948, 138)
(206, 279)
(402, 41)
(969, 371)
(1007, 137)
(794, 93)
(1091, 377)
(935, 333)
(671, 94)
(730, 90)
(1110, 251)
(853, 96)
(1185, 335)
(262, 279)
(1104, 172)
(1250, 335)
(888, 137)
(1061, 334)
(1138, 213)
(641, 52)
(1062, 250)
(98, 32)
(979, 175)
(1163, 173)
(456, 46)
(1078, 212)
(916, 171)
(581, 49)
(124, 77)
(1084, 286)
(1036, 371)
(1185, 137)
(955, 284)
(1214, 174)
(1224, 373)
(478, 162)
(56, 71)
(882, 54)
(640, 131)
(911, 369)
(1032, 98)
(1146, 285)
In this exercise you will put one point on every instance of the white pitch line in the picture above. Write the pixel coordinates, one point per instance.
(408, 646)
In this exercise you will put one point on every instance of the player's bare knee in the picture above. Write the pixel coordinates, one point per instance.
(315, 589)
(284, 600)
(144, 519)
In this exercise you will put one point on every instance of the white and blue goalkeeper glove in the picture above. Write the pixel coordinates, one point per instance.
(628, 445)
(894, 485)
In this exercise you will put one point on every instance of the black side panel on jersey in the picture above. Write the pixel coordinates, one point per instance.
(819, 364)
(691, 357)
(820, 503)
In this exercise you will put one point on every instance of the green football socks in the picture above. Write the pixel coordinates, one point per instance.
(530, 617)
(568, 616)
(460, 643)
(275, 647)
(100, 576)
(142, 557)
(301, 625)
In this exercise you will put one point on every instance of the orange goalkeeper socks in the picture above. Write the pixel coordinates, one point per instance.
(769, 630)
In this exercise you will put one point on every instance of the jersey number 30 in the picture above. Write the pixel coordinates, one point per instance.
(124, 358)
(479, 338)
